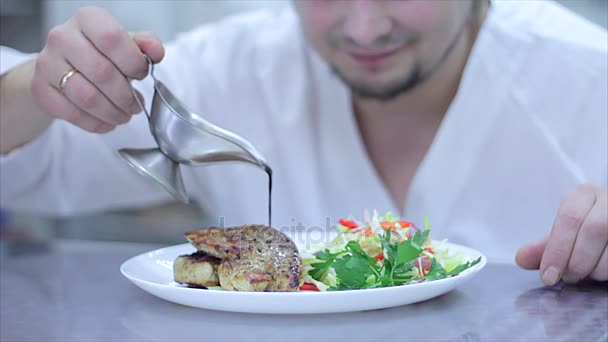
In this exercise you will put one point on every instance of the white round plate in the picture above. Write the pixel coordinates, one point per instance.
(153, 272)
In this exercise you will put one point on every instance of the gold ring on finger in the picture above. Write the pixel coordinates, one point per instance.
(66, 77)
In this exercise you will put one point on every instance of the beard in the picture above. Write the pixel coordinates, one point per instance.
(387, 92)
(418, 73)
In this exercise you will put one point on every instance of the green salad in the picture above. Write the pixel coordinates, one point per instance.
(378, 252)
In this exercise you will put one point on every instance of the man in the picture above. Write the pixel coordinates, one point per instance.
(483, 117)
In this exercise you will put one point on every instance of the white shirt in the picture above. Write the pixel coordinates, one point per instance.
(528, 124)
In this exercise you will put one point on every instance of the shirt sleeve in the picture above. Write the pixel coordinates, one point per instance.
(10, 58)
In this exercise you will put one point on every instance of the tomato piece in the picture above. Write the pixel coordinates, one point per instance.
(405, 224)
(380, 256)
(348, 223)
(309, 287)
(368, 232)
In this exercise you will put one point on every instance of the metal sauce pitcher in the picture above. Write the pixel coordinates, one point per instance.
(184, 137)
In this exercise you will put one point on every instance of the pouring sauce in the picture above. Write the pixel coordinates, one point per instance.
(269, 173)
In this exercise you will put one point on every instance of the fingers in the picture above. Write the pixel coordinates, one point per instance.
(101, 72)
(112, 40)
(56, 104)
(560, 244)
(577, 246)
(600, 272)
(149, 44)
(529, 256)
(99, 96)
(590, 242)
(84, 94)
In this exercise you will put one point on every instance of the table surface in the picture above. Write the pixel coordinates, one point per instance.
(55, 289)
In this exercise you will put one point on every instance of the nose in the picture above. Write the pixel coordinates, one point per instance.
(366, 21)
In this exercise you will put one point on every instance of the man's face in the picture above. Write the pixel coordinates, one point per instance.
(383, 48)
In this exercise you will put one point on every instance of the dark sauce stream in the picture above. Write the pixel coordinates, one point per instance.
(269, 173)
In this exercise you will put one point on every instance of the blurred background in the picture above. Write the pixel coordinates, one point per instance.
(24, 24)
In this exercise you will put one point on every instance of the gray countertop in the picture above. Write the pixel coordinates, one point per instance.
(55, 289)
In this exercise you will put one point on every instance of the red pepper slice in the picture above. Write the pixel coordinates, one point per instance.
(368, 232)
(348, 223)
(309, 287)
(380, 256)
(405, 224)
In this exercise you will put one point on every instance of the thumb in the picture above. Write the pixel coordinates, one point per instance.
(530, 255)
(150, 44)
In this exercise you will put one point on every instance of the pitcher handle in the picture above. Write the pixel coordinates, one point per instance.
(151, 73)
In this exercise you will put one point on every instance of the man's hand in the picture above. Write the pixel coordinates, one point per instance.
(82, 74)
(576, 248)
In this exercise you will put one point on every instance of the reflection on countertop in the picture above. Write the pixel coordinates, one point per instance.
(163, 223)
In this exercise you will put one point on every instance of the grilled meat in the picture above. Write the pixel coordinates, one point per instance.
(198, 270)
(254, 257)
(244, 275)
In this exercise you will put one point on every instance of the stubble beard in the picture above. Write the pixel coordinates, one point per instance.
(412, 79)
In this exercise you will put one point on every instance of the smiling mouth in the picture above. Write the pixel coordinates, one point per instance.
(372, 58)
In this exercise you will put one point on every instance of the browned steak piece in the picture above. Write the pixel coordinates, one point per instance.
(254, 257)
(198, 269)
